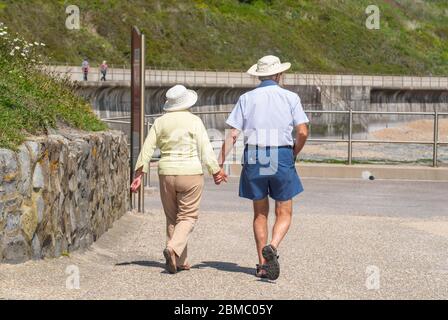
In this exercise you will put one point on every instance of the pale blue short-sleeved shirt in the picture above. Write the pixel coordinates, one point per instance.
(267, 115)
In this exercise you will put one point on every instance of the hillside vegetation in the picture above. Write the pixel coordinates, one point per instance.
(315, 35)
(31, 101)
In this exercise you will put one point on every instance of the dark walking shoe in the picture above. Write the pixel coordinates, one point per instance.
(170, 257)
(272, 265)
(261, 271)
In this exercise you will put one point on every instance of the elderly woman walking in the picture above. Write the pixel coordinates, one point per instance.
(184, 146)
(267, 117)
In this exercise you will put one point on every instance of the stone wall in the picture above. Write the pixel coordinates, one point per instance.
(60, 192)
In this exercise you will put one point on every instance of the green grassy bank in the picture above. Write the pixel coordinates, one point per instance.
(31, 102)
(315, 35)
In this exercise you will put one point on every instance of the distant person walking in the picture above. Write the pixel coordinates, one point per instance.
(267, 116)
(103, 69)
(85, 68)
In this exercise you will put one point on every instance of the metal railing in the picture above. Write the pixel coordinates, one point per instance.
(435, 143)
(238, 78)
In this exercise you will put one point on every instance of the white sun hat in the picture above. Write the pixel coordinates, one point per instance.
(268, 66)
(179, 98)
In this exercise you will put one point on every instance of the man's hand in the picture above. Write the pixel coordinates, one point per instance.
(220, 176)
(295, 155)
(301, 137)
(135, 186)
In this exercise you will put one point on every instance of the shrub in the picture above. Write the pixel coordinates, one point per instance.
(32, 100)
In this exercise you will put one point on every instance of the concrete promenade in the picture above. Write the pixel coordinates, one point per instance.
(363, 171)
(346, 232)
(122, 77)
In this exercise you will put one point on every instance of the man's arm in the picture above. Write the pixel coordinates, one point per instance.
(301, 137)
(227, 146)
(208, 156)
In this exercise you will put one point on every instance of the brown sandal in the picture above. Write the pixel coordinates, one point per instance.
(170, 258)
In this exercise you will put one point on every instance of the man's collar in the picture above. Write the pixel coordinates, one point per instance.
(266, 83)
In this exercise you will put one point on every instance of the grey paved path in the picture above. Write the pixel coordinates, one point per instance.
(341, 229)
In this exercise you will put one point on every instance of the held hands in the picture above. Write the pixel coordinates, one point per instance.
(220, 176)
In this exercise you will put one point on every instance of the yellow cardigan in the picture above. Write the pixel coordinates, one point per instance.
(184, 145)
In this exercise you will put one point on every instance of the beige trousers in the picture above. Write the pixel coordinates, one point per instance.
(181, 196)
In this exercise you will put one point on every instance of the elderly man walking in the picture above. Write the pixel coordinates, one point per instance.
(267, 116)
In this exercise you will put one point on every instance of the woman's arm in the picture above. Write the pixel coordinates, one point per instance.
(208, 156)
(147, 151)
(144, 158)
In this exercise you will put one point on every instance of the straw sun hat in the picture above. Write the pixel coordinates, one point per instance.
(268, 66)
(179, 98)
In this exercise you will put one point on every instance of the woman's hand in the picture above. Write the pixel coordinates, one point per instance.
(135, 186)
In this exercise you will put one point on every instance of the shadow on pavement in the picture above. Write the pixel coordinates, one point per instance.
(224, 266)
(218, 265)
(154, 264)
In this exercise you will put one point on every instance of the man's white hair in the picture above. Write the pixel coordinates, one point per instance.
(271, 77)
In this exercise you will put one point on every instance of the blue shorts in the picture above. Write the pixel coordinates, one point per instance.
(269, 171)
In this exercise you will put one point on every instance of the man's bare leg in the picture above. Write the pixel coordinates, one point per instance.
(283, 217)
(261, 211)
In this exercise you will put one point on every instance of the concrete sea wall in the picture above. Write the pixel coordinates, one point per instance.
(114, 101)
(60, 192)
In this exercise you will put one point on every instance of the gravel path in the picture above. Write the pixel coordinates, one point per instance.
(343, 230)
